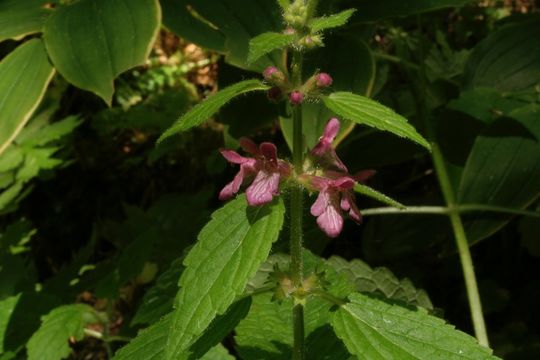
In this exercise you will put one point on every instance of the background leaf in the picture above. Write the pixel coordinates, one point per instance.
(331, 21)
(19, 18)
(24, 76)
(50, 342)
(508, 59)
(502, 169)
(375, 329)
(122, 38)
(229, 251)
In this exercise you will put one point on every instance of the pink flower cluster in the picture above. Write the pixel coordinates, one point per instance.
(330, 177)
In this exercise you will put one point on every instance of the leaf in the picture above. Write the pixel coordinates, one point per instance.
(229, 250)
(351, 64)
(19, 18)
(267, 42)
(149, 344)
(374, 194)
(24, 76)
(384, 9)
(331, 21)
(502, 170)
(379, 281)
(218, 352)
(206, 109)
(362, 110)
(372, 328)
(122, 37)
(508, 59)
(7, 306)
(50, 342)
(158, 300)
(48, 133)
(226, 26)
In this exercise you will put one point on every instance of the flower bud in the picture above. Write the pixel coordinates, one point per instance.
(296, 97)
(274, 76)
(324, 80)
(274, 94)
(310, 41)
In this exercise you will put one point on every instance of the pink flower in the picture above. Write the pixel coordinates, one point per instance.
(324, 152)
(335, 197)
(264, 168)
(269, 72)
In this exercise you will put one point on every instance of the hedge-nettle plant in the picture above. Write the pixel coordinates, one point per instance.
(238, 239)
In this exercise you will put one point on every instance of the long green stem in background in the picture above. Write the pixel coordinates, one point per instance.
(443, 210)
(297, 264)
(463, 247)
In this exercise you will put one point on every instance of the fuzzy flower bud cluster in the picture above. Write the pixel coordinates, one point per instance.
(327, 175)
(281, 85)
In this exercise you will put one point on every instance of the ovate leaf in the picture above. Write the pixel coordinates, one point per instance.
(19, 18)
(206, 109)
(380, 281)
(267, 42)
(508, 59)
(332, 21)
(502, 170)
(374, 194)
(7, 306)
(50, 342)
(229, 251)
(24, 76)
(121, 36)
(362, 110)
(372, 328)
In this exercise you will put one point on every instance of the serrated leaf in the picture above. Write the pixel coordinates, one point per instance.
(229, 251)
(19, 18)
(267, 42)
(365, 111)
(375, 329)
(331, 21)
(218, 352)
(24, 76)
(158, 300)
(374, 194)
(48, 133)
(50, 342)
(379, 281)
(122, 37)
(206, 109)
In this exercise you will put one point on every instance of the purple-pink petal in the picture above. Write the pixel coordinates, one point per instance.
(330, 221)
(249, 146)
(263, 188)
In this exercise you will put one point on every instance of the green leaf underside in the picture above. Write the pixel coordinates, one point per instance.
(24, 76)
(374, 194)
(374, 329)
(229, 251)
(365, 111)
(267, 42)
(19, 18)
(50, 342)
(502, 169)
(206, 109)
(331, 21)
(381, 281)
(122, 37)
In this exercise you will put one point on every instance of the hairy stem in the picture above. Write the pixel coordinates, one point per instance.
(473, 294)
(297, 265)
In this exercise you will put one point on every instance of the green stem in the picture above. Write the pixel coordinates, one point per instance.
(443, 210)
(463, 248)
(297, 193)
